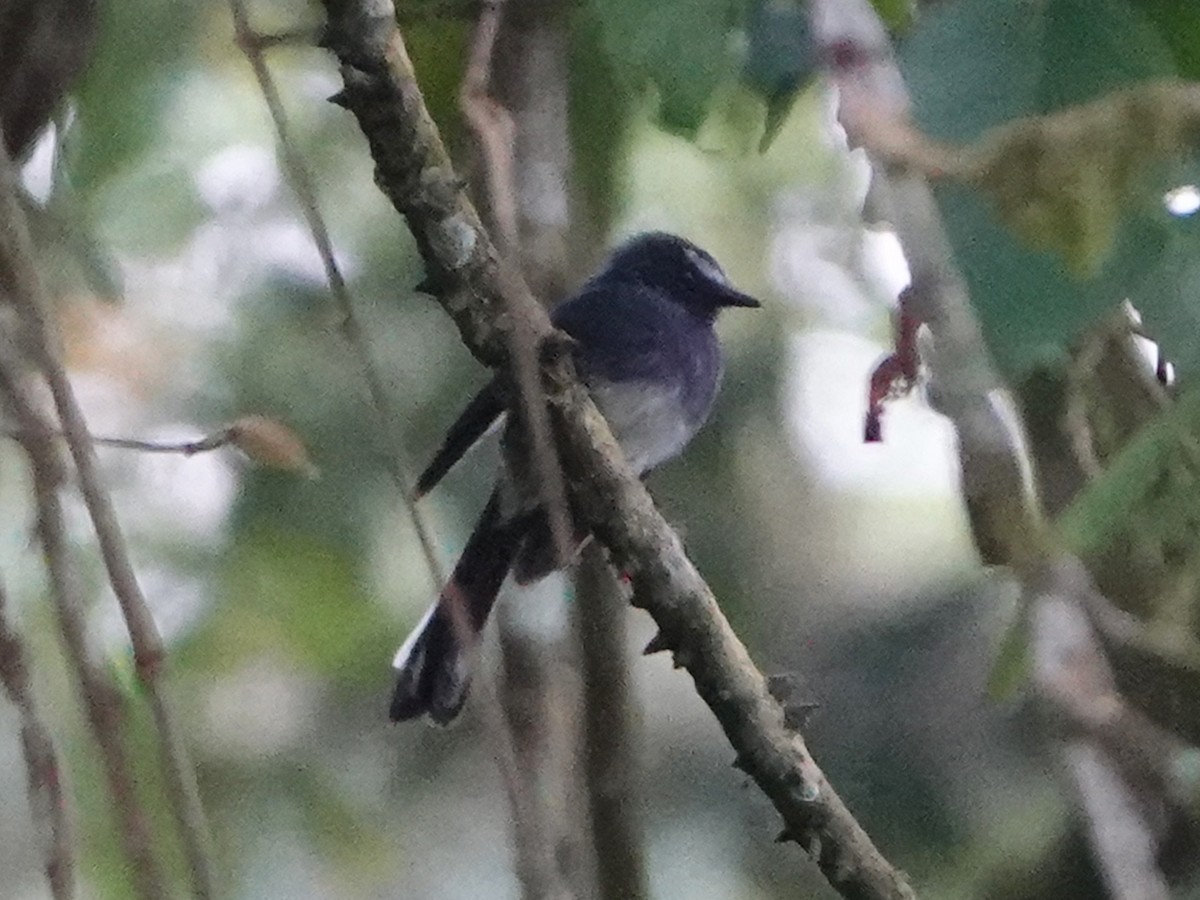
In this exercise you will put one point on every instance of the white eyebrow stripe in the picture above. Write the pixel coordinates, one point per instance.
(707, 266)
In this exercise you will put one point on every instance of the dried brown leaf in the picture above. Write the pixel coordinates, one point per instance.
(271, 443)
(1062, 181)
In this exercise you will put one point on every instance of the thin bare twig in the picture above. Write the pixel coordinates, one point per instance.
(1112, 768)
(101, 701)
(302, 184)
(529, 81)
(537, 684)
(43, 774)
(257, 41)
(415, 173)
(185, 448)
(611, 762)
(493, 127)
(262, 439)
(494, 130)
(31, 302)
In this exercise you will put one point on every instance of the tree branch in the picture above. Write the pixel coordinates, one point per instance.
(540, 692)
(101, 701)
(495, 132)
(43, 774)
(611, 761)
(28, 295)
(413, 170)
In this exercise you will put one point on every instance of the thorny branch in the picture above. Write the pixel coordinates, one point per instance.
(43, 774)
(29, 299)
(415, 173)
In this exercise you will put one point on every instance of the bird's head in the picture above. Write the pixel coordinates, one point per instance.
(680, 270)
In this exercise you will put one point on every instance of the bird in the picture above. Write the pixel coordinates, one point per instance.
(642, 340)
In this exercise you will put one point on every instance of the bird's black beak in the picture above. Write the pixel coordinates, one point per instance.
(731, 297)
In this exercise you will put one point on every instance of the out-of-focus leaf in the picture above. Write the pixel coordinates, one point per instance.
(438, 47)
(271, 443)
(1064, 181)
(285, 592)
(679, 45)
(1178, 23)
(1156, 464)
(144, 50)
(898, 15)
(977, 64)
(69, 249)
(780, 59)
(1010, 667)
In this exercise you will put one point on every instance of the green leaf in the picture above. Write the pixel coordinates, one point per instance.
(897, 15)
(1178, 24)
(780, 60)
(1010, 667)
(681, 46)
(978, 64)
(1159, 462)
(288, 594)
(143, 53)
(438, 47)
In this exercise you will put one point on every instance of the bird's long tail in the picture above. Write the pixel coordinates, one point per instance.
(433, 664)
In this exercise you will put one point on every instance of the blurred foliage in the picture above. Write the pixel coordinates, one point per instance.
(977, 64)
(438, 48)
(1063, 181)
(781, 58)
(1155, 474)
(898, 15)
(144, 49)
(1178, 21)
(681, 46)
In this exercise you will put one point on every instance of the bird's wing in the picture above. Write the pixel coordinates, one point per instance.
(480, 414)
(618, 328)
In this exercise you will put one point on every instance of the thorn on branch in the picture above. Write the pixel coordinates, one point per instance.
(656, 644)
(556, 346)
(428, 285)
(784, 837)
(789, 690)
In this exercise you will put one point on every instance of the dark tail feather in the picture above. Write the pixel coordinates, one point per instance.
(470, 426)
(433, 671)
(538, 556)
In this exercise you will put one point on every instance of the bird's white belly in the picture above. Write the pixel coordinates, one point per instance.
(647, 420)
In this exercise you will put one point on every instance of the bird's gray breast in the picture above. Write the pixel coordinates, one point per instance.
(652, 420)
